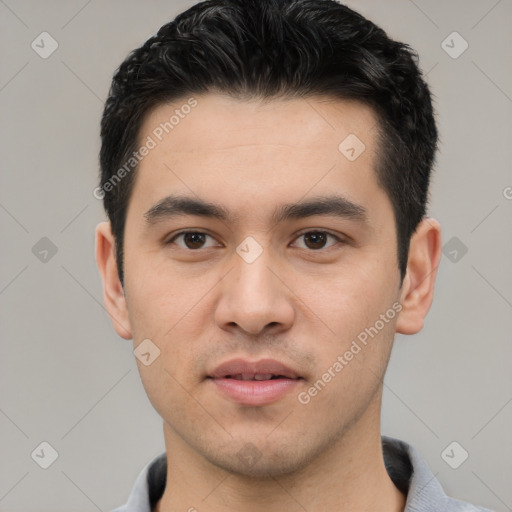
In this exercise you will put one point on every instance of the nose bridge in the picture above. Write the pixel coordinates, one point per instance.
(252, 296)
(254, 286)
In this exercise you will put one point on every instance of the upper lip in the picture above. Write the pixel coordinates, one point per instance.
(252, 368)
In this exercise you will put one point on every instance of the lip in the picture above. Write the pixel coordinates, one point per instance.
(227, 380)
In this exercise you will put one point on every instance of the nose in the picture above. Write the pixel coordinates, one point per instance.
(255, 297)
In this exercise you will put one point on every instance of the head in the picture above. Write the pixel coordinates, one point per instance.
(237, 110)
(276, 49)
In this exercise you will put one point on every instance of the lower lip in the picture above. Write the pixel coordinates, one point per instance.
(255, 392)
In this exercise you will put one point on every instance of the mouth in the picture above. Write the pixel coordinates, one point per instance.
(254, 383)
(255, 376)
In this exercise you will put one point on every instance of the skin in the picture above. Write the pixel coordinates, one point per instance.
(300, 303)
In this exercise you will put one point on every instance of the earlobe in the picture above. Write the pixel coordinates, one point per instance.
(113, 293)
(418, 285)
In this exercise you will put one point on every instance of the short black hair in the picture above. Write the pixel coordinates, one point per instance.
(276, 49)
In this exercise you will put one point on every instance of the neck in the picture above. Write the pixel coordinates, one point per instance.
(349, 476)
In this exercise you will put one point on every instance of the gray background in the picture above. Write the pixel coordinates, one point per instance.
(66, 378)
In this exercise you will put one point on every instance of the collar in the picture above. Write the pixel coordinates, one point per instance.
(405, 466)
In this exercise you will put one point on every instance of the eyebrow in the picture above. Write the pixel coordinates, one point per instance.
(335, 205)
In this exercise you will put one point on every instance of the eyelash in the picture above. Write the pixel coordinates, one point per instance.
(338, 239)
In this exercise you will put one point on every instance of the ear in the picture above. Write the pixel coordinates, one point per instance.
(418, 285)
(113, 293)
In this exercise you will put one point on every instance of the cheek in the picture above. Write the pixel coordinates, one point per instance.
(350, 371)
(159, 298)
(168, 392)
(349, 300)
(171, 311)
(357, 308)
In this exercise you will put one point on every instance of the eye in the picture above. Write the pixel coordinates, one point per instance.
(195, 240)
(316, 240)
(192, 240)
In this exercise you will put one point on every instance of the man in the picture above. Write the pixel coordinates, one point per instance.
(265, 170)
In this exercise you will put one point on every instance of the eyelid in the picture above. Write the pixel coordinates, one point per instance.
(339, 236)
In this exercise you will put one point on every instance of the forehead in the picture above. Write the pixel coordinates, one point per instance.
(220, 122)
(249, 154)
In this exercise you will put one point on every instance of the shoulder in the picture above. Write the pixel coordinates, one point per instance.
(453, 505)
(148, 487)
(414, 478)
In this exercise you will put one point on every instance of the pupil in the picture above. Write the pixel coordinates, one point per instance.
(316, 238)
(194, 239)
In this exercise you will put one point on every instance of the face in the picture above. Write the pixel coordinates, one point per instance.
(274, 322)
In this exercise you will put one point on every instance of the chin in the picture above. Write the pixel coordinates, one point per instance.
(263, 460)
(264, 469)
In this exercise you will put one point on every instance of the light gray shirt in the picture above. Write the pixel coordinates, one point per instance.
(405, 467)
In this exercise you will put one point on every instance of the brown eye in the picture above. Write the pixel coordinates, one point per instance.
(316, 240)
(192, 240)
